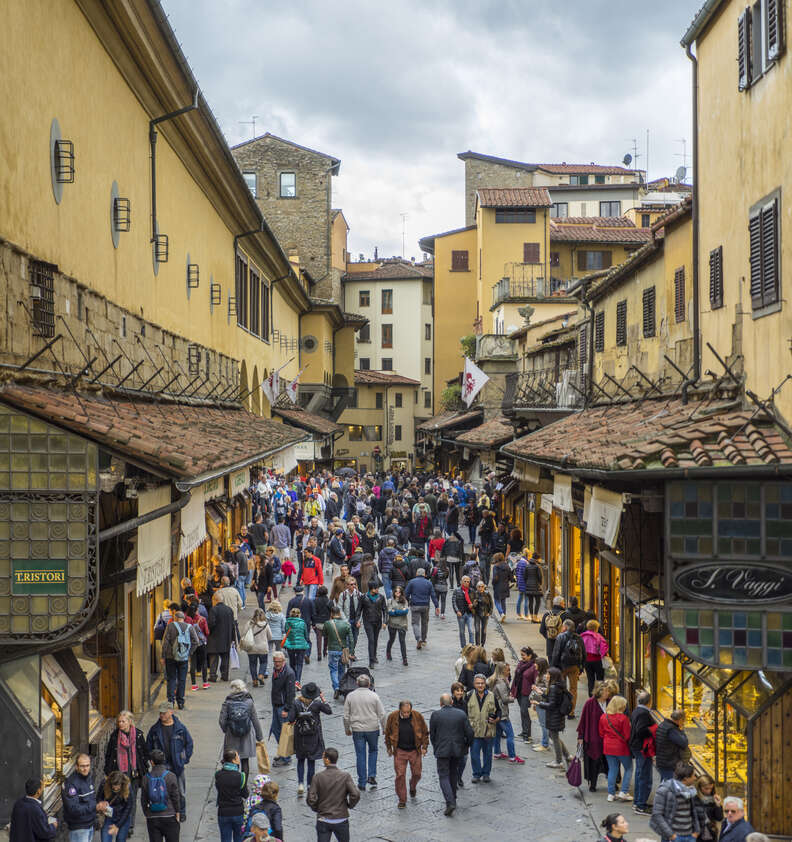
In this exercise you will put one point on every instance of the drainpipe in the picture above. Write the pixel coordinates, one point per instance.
(131, 525)
(590, 340)
(696, 337)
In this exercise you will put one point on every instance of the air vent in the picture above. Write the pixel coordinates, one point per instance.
(309, 344)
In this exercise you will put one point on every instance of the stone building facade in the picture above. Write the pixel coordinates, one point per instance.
(293, 187)
(481, 173)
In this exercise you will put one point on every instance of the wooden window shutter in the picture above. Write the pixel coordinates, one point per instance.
(583, 346)
(582, 257)
(770, 253)
(530, 252)
(774, 27)
(716, 278)
(649, 312)
(607, 259)
(459, 261)
(599, 331)
(744, 50)
(679, 295)
(621, 322)
(755, 238)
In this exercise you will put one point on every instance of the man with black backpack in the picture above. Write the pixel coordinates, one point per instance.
(178, 643)
(160, 800)
(569, 654)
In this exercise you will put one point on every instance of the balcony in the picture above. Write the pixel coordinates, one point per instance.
(524, 281)
(545, 389)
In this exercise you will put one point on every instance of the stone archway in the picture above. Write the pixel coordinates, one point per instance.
(255, 395)
(340, 381)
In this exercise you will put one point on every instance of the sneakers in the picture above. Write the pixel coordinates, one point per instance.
(206, 685)
(624, 796)
(194, 687)
(540, 748)
(449, 810)
(517, 760)
(553, 765)
(503, 618)
(611, 797)
(501, 756)
(475, 780)
(300, 790)
(372, 782)
(485, 779)
(642, 811)
(527, 740)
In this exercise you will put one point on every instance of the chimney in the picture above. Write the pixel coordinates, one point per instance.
(375, 252)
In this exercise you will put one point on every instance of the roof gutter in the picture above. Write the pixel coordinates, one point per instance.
(702, 18)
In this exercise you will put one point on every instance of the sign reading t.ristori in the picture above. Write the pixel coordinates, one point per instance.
(735, 583)
(39, 576)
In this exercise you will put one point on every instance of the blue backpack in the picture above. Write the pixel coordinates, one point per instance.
(181, 648)
(157, 793)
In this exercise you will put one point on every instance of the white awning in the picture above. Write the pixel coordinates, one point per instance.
(562, 492)
(285, 460)
(602, 510)
(193, 523)
(239, 482)
(153, 540)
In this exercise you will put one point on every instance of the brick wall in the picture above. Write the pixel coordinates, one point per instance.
(480, 174)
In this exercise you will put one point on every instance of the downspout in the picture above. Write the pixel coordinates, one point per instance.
(696, 338)
(131, 525)
(590, 341)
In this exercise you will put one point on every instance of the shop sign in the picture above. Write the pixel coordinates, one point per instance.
(562, 492)
(213, 488)
(606, 609)
(193, 523)
(525, 472)
(735, 583)
(39, 577)
(602, 511)
(57, 682)
(304, 451)
(547, 503)
(398, 454)
(239, 481)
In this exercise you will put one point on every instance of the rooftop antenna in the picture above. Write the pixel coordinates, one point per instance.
(251, 122)
(682, 154)
(404, 231)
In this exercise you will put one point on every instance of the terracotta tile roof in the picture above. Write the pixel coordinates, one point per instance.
(393, 270)
(603, 283)
(683, 209)
(552, 168)
(383, 378)
(599, 221)
(181, 440)
(657, 434)
(447, 420)
(514, 197)
(491, 433)
(308, 420)
(597, 229)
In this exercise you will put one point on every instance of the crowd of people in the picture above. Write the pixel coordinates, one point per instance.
(377, 553)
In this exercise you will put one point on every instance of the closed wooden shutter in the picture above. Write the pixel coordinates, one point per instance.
(716, 278)
(530, 252)
(599, 331)
(582, 257)
(607, 259)
(774, 24)
(621, 322)
(744, 50)
(679, 294)
(649, 312)
(755, 237)
(583, 346)
(459, 261)
(770, 253)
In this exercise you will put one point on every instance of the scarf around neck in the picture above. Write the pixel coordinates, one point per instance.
(127, 751)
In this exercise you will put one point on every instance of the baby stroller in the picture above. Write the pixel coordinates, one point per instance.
(348, 682)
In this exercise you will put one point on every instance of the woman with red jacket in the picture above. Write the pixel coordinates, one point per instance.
(614, 728)
(524, 680)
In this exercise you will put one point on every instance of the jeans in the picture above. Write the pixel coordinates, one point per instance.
(257, 665)
(85, 834)
(159, 828)
(449, 773)
(541, 714)
(613, 771)
(230, 827)
(402, 641)
(665, 774)
(684, 838)
(481, 756)
(420, 622)
(500, 605)
(301, 763)
(386, 584)
(176, 677)
(296, 661)
(465, 622)
(337, 668)
(400, 761)
(642, 788)
(261, 596)
(121, 836)
(241, 585)
(525, 716)
(199, 662)
(505, 729)
(366, 741)
(441, 598)
(310, 591)
(594, 672)
(480, 624)
(325, 831)
(522, 603)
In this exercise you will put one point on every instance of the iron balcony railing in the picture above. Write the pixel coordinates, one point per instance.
(525, 280)
(543, 389)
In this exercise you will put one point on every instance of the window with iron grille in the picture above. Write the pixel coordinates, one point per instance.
(459, 261)
(621, 322)
(649, 312)
(194, 360)
(716, 278)
(530, 252)
(599, 331)
(679, 294)
(764, 240)
(583, 346)
(42, 294)
(241, 290)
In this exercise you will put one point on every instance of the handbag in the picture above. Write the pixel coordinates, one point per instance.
(262, 757)
(574, 772)
(608, 667)
(286, 741)
(248, 640)
(234, 658)
(344, 649)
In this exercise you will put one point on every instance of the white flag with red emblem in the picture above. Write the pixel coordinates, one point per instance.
(266, 389)
(291, 389)
(473, 381)
(271, 387)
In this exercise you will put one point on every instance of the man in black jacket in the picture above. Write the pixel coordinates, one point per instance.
(640, 722)
(375, 616)
(569, 655)
(282, 698)
(29, 822)
(671, 744)
(451, 735)
(79, 801)
(576, 614)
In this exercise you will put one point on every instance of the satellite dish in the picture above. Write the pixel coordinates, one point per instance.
(680, 174)
(627, 160)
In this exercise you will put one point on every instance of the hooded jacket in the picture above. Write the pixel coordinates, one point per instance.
(181, 744)
(387, 557)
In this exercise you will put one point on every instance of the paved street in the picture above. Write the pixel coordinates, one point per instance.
(539, 796)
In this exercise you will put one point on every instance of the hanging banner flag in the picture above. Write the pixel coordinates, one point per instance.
(473, 381)
(602, 510)
(291, 389)
(562, 492)
(266, 389)
(272, 390)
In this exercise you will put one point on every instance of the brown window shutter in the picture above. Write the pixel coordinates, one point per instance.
(679, 295)
(744, 50)
(583, 346)
(770, 253)
(530, 252)
(716, 278)
(649, 312)
(459, 261)
(599, 331)
(774, 27)
(621, 322)
(581, 260)
(607, 259)
(755, 237)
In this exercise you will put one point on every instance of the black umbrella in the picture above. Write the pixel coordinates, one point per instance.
(346, 472)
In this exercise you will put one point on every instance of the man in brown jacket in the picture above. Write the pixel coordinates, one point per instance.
(331, 795)
(407, 741)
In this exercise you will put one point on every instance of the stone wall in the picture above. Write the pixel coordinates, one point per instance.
(486, 174)
(94, 327)
(301, 224)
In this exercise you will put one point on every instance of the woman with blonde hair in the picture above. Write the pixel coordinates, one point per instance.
(614, 729)
(462, 659)
(127, 753)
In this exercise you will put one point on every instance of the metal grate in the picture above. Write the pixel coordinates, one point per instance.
(716, 278)
(215, 294)
(42, 294)
(161, 248)
(64, 161)
(193, 275)
(122, 214)
(194, 360)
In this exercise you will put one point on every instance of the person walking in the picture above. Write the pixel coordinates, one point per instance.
(551, 625)
(240, 724)
(451, 736)
(364, 715)
(522, 685)
(374, 616)
(256, 641)
(483, 712)
(387, 556)
(398, 609)
(641, 722)
(596, 648)
(282, 698)
(735, 827)
(331, 796)
(407, 741)
(614, 729)
(79, 801)
(199, 660)
(222, 635)
(263, 800)
(477, 664)
(311, 573)
(482, 611)
(231, 785)
(462, 602)
(296, 642)
(500, 684)
(178, 643)
(708, 805)
(539, 694)
(568, 656)
(170, 736)
(419, 593)
(126, 752)
(161, 800)
(557, 705)
(671, 744)
(277, 622)
(321, 614)
(263, 579)
(453, 551)
(588, 732)
(501, 582)
(308, 738)
(340, 646)
(29, 822)
(230, 596)
(673, 814)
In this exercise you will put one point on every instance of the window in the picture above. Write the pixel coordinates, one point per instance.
(387, 364)
(427, 293)
(397, 432)
(378, 400)
(387, 336)
(372, 432)
(578, 179)
(355, 432)
(42, 293)
(555, 258)
(459, 261)
(599, 179)
(427, 400)
(364, 298)
(591, 261)
(288, 185)
(760, 40)
(530, 252)
(365, 363)
(509, 215)
(679, 294)
(250, 180)
(763, 230)
(255, 295)
(397, 399)
(599, 331)
(583, 346)
(621, 322)
(265, 311)
(559, 210)
(364, 334)
(241, 290)
(427, 365)
(353, 399)
(416, 397)
(387, 301)
(716, 278)
(646, 220)
(427, 332)
(610, 209)
(649, 312)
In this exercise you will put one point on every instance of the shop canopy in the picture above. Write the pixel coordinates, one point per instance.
(310, 421)
(449, 420)
(488, 435)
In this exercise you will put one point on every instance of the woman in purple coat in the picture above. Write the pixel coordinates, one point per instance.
(588, 732)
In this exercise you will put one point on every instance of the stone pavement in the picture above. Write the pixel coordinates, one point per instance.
(522, 802)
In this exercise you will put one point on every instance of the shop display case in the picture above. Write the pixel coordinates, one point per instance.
(58, 691)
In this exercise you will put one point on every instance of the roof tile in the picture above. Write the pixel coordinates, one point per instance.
(514, 197)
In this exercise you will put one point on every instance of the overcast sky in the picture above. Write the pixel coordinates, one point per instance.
(396, 90)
